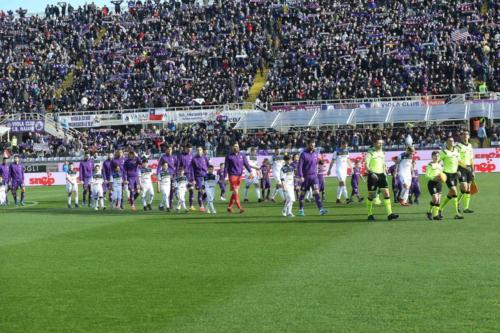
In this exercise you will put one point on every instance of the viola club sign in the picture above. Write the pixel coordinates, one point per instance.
(20, 126)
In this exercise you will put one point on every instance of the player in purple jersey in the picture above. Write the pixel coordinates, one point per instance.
(396, 184)
(107, 172)
(171, 161)
(307, 170)
(4, 171)
(16, 175)
(356, 176)
(415, 185)
(221, 173)
(131, 176)
(184, 161)
(265, 181)
(199, 165)
(86, 171)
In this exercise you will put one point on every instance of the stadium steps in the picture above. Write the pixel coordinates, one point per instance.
(69, 80)
(257, 85)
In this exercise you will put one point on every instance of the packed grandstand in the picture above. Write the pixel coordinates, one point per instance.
(184, 54)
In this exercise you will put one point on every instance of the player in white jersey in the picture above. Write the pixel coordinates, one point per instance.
(277, 162)
(72, 184)
(164, 185)
(342, 164)
(253, 177)
(211, 180)
(287, 180)
(146, 185)
(97, 189)
(405, 167)
(117, 187)
(181, 187)
(3, 192)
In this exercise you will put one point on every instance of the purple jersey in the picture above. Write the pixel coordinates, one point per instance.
(107, 169)
(234, 164)
(171, 163)
(131, 167)
(86, 169)
(4, 171)
(16, 173)
(184, 161)
(266, 172)
(117, 162)
(355, 177)
(308, 164)
(199, 166)
(222, 175)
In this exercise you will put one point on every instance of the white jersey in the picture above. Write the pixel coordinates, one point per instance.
(145, 177)
(71, 181)
(405, 167)
(181, 183)
(211, 180)
(253, 162)
(287, 176)
(97, 185)
(3, 193)
(278, 161)
(97, 180)
(164, 178)
(405, 164)
(341, 160)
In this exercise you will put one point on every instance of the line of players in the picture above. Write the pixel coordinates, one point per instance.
(297, 175)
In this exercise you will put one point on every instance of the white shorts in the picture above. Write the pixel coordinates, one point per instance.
(405, 179)
(276, 176)
(97, 191)
(70, 188)
(254, 180)
(3, 197)
(117, 192)
(148, 190)
(341, 175)
(289, 193)
(210, 191)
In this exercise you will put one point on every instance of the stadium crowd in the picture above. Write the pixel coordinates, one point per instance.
(217, 139)
(171, 53)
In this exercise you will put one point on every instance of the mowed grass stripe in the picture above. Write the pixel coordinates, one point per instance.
(256, 272)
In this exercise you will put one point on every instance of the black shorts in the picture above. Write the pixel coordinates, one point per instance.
(451, 179)
(434, 187)
(465, 174)
(377, 180)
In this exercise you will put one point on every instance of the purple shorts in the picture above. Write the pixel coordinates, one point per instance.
(310, 182)
(17, 184)
(321, 183)
(86, 181)
(133, 184)
(200, 183)
(265, 184)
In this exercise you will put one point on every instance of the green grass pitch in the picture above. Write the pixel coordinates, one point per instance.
(67, 270)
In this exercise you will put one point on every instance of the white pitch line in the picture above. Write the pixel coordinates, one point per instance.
(27, 204)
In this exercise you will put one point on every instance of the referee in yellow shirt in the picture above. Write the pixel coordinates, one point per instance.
(450, 157)
(465, 169)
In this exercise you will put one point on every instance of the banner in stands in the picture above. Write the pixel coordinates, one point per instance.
(487, 160)
(21, 126)
(80, 121)
(297, 107)
(135, 117)
(195, 116)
